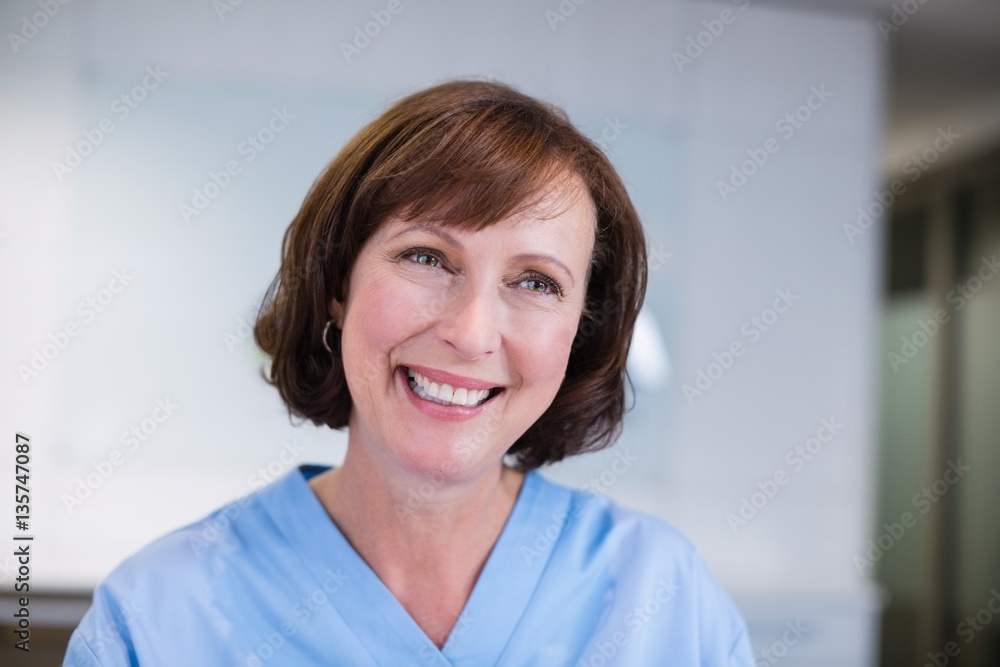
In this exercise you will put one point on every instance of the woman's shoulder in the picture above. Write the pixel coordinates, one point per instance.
(221, 541)
(600, 520)
(185, 583)
(599, 533)
(639, 563)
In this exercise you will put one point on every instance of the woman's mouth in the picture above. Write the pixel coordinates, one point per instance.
(446, 394)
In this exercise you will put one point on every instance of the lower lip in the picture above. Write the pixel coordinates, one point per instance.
(438, 411)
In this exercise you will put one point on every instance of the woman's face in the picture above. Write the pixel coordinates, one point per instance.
(435, 318)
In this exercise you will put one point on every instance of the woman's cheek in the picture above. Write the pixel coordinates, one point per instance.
(412, 307)
(545, 342)
(393, 299)
(376, 325)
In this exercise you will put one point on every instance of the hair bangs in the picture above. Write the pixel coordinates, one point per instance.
(471, 172)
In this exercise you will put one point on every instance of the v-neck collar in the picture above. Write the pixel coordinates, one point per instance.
(382, 625)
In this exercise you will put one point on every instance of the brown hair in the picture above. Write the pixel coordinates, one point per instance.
(469, 154)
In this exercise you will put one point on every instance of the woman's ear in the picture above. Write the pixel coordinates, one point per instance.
(337, 313)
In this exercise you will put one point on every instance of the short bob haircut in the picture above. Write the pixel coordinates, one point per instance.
(466, 154)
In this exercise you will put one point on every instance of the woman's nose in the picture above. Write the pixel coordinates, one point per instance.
(470, 322)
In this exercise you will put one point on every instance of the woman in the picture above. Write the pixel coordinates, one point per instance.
(459, 290)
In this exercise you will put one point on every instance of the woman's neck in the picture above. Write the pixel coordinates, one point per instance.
(395, 507)
(426, 537)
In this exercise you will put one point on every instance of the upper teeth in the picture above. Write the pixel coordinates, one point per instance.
(446, 393)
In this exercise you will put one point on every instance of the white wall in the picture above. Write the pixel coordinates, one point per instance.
(720, 262)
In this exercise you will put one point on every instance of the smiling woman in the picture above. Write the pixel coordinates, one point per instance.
(432, 298)
(464, 157)
(463, 310)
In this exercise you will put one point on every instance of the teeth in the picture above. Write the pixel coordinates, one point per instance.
(445, 393)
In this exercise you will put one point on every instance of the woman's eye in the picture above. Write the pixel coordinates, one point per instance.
(536, 285)
(542, 286)
(425, 258)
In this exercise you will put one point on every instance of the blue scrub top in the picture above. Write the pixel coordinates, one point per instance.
(574, 579)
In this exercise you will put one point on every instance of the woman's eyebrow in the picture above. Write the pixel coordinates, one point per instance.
(437, 230)
(428, 227)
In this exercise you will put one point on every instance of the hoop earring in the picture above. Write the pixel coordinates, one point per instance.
(326, 330)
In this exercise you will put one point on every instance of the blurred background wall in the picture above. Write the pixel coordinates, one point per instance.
(816, 178)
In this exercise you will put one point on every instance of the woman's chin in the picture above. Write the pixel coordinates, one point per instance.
(442, 464)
